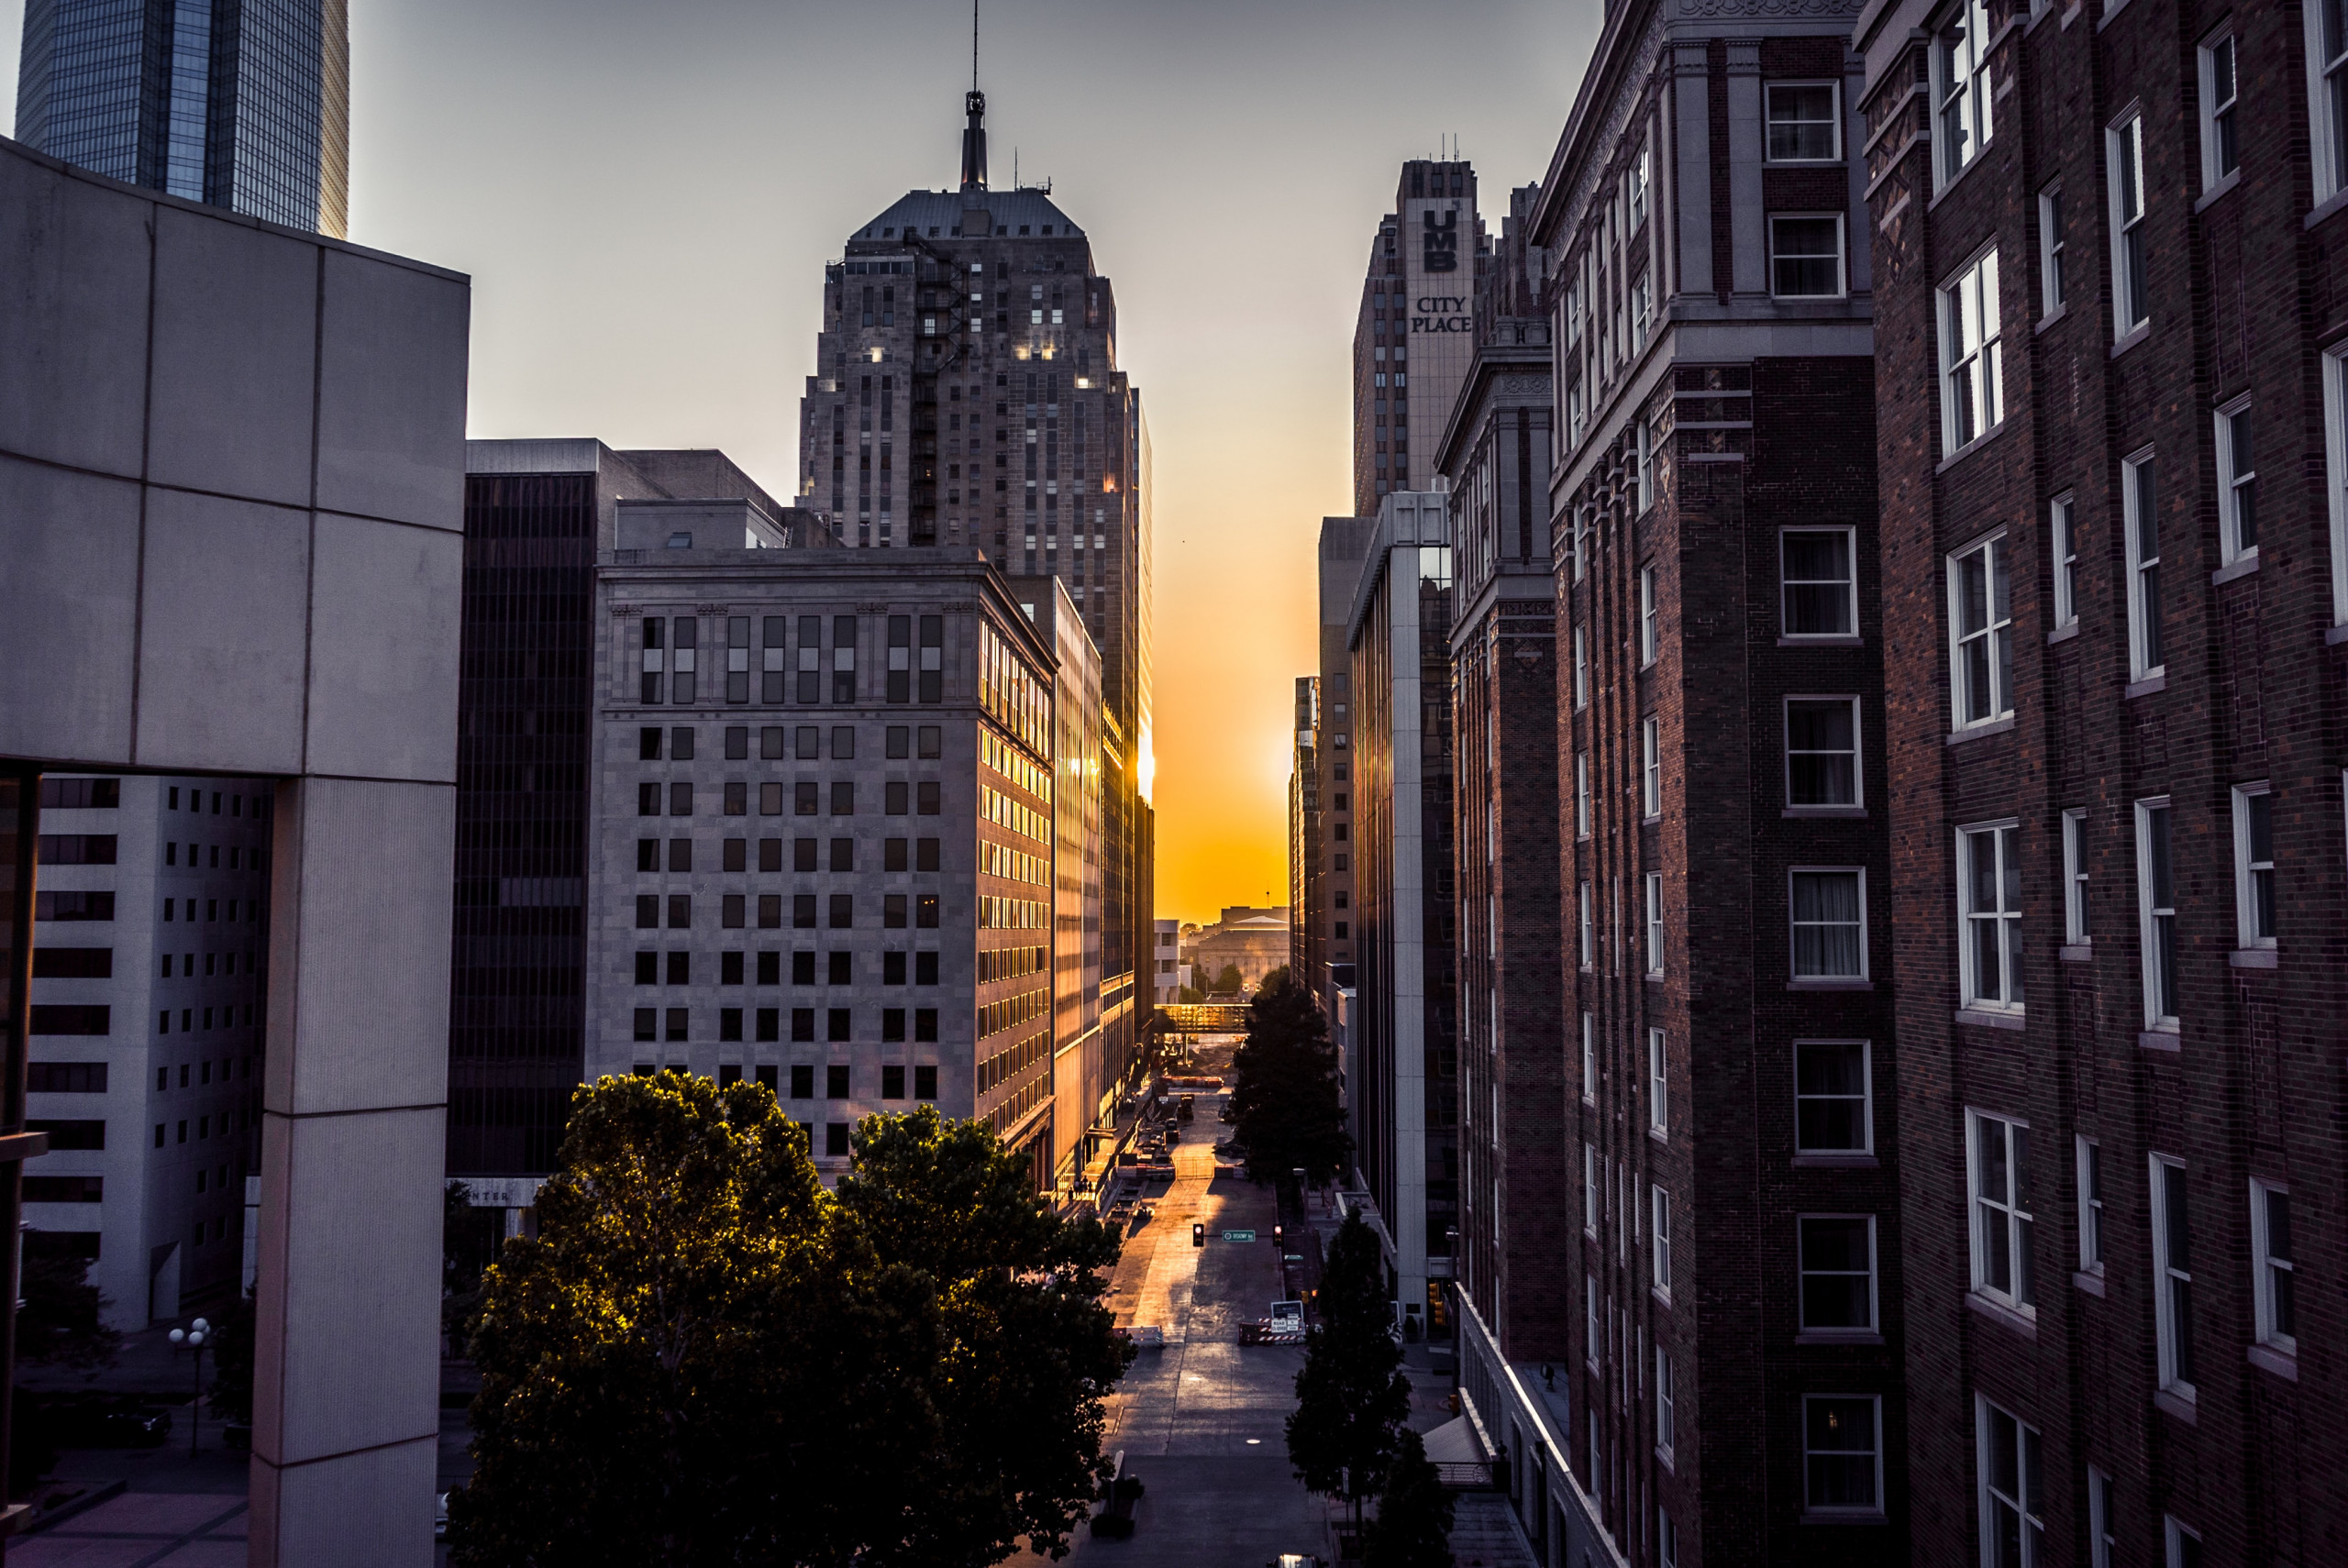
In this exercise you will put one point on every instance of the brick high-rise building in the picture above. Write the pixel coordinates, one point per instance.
(966, 393)
(1514, 1237)
(1735, 1364)
(1414, 331)
(1308, 940)
(2106, 243)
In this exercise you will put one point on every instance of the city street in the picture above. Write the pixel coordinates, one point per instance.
(1199, 1421)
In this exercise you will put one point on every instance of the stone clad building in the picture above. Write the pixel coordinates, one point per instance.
(2115, 559)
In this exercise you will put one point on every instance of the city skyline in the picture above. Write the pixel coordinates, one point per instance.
(708, 323)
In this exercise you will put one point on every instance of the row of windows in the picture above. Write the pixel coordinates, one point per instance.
(805, 742)
(669, 657)
(1826, 925)
(734, 855)
(675, 1024)
(839, 969)
(838, 1082)
(898, 798)
(734, 910)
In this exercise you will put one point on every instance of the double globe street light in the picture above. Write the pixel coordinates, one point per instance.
(194, 1336)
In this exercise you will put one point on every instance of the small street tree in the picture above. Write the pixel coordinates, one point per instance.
(1352, 1398)
(1412, 1528)
(1286, 1111)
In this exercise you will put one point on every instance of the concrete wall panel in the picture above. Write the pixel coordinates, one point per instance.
(383, 681)
(351, 1513)
(74, 270)
(392, 393)
(68, 619)
(222, 630)
(234, 358)
(358, 949)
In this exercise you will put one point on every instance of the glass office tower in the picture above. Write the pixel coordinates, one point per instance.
(240, 103)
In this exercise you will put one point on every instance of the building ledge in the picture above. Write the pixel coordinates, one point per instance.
(2063, 633)
(2334, 636)
(2160, 1040)
(2157, 681)
(2076, 952)
(2177, 1405)
(2240, 567)
(2255, 958)
(1827, 813)
(2050, 317)
(2324, 209)
(1827, 1517)
(2089, 1281)
(1850, 1161)
(1991, 1018)
(1973, 446)
(2282, 1363)
(2217, 189)
(1840, 640)
(1830, 985)
(1838, 1337)
(1976, 732)
(2020, 1322)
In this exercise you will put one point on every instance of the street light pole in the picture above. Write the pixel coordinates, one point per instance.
(193, 1337)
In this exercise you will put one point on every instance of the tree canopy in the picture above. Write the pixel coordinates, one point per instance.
(1412, 1528)
(60, 1316)
(1286, 1111)
(706, 1358)
(1352, 1398)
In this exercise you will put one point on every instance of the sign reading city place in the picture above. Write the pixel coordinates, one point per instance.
(1239, 1235)
(1442, 312)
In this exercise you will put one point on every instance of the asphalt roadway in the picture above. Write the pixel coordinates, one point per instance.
(1199, 1421)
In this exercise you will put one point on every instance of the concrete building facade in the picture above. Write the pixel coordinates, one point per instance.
(1414, 331)
(232, 458)
(1402, 1073)
(2116, 618)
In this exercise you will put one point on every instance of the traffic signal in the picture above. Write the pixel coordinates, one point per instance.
(1276, 1235)
(1198, 1235)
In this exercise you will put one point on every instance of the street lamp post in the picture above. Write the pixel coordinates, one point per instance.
(193, 1337)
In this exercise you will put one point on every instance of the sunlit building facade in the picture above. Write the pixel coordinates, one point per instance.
(237, 104)
(1415, 332)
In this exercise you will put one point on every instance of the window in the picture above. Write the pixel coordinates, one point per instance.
(1654, 922)
(2254, 865)
(1666, 1425)
(2011, 1493)
(1651, 768)
(1997, 1173)
(2156, 903)
(2087, 1155)
(1806, 257)
(2064, 537)
(1593, 1334)
(1829, 910)
(1588, 918)
(1659, 1085)
(1589, 1058)
(2328, 97)
(1842, 1461)
(1980, 629)
(2173, 1275)
(2123, 148)
(1590, 1188)
(2274, 1280)
(2219, 97)
(1661, 1241)
(2183, 1546)
(1820, 591)
(1837, 1262)
(2103, 1540)
(1581, 670)
(1581, 800)
(2237, 482)
(1834, 1098)
(1972, 384)
(1666, 1540)
(2050, 250)
(1647, 637)
(1961, 90)
(1822, 751)
(1989, 893)
(2140, 510)
(1803, 126)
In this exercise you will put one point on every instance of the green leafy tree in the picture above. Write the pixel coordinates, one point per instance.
(231, 1343)
(705, 1358)
(60, 1320)
(1352, 1398)
(1273, 979)
(1228, 981)
(1412, 1528)
(1287, 1113)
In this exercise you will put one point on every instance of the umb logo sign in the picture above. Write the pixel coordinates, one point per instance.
(1439, 242)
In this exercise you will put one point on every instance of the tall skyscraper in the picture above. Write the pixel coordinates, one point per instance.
(2115, 581)
(238, 103)
(972, 320)
(1416, 336)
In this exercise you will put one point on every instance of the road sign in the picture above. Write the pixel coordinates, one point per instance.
(1239, 1235)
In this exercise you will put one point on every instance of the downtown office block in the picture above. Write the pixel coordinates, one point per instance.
(2115, 559)
(238, 103)
(232, 455)
(967, 394)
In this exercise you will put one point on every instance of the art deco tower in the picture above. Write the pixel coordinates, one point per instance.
(239, 104)
(966, 393)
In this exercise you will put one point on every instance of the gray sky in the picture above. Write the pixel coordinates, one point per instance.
(644, 196)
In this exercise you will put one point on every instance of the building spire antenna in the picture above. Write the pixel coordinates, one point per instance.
(974, 136)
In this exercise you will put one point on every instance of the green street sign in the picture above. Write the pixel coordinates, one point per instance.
(1239, 1235)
